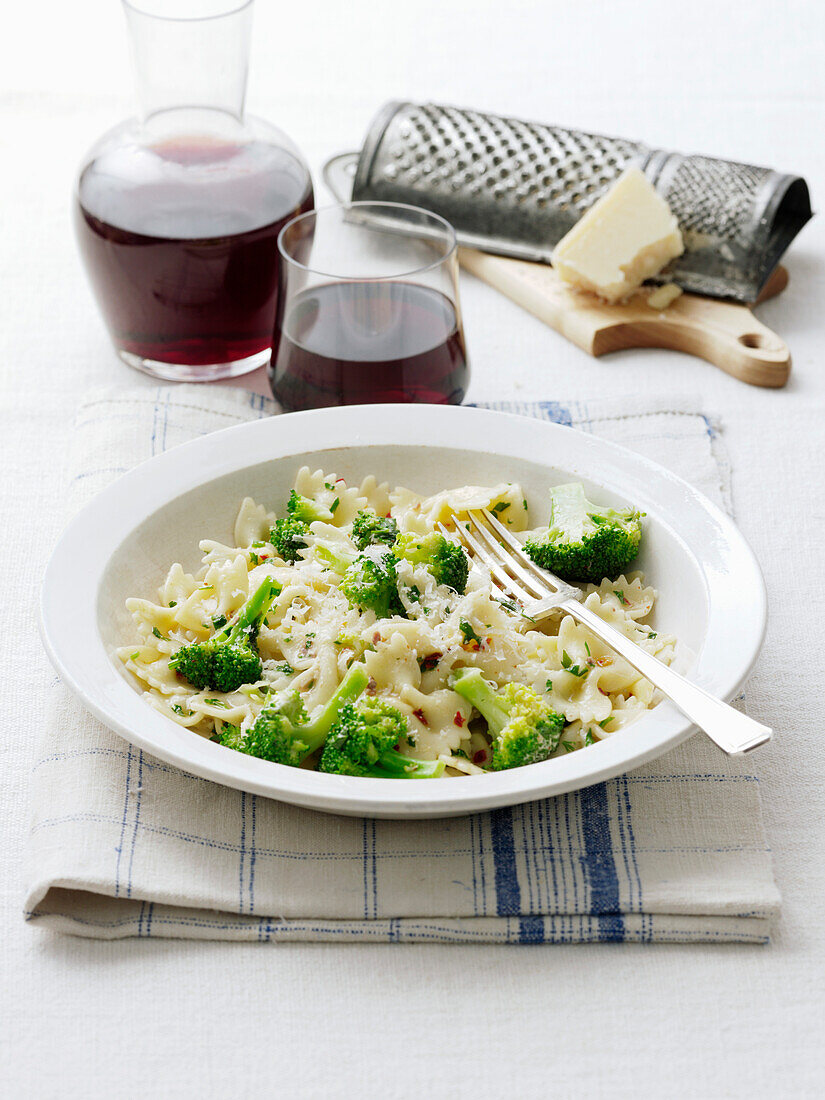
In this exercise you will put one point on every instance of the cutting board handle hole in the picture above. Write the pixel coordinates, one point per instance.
(753, 340)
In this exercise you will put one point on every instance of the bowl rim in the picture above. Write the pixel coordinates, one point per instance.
(736, 597)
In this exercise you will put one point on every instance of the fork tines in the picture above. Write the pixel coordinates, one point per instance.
(512, 571)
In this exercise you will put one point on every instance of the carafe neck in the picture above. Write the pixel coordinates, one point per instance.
(189, 54)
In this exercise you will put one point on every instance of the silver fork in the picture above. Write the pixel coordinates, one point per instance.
(541, 593)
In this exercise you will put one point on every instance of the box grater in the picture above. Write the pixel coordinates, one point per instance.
(515, 188)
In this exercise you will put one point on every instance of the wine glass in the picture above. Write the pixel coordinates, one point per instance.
(369, 309)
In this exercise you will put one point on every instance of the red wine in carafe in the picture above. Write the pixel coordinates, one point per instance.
(353, 343)
(180, 241)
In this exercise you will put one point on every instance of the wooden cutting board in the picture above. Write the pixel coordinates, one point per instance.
(725, 333)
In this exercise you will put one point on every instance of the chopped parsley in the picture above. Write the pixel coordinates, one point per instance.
(178, 709)
(468, 634)
(158, 634)
(588, 737)
(135, 655)
(509, 604)
(286, 668)
(173, 603)
(217, 703)
(568, 746)
(253, 557)
(412, 741)
(568, 666)
(604, 722)
(587, 649)
(219, 621)
(333, 507)
(653, 634)
(502, 506)
(617, 592)
(414, 594)
(548, 685)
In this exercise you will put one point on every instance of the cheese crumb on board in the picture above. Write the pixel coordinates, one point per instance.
(624, 238)
(663, 296)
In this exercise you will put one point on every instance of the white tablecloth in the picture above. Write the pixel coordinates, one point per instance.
(157, 1019)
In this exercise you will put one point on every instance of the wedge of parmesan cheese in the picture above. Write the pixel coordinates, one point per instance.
(624, 238)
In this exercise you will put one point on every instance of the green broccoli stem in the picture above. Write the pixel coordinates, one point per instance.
(315, 733)
(253, 611)
(308, 510)
(331, 556)
(393, 764)
(568, 508)
(471, 684)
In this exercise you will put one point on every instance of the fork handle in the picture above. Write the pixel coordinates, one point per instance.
(731, 730)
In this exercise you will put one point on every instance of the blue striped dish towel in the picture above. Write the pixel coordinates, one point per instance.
(125, 845)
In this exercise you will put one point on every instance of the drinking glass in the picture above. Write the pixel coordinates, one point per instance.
(178, 211)
(369, 309)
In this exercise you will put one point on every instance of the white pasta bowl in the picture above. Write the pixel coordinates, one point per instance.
(711, 593)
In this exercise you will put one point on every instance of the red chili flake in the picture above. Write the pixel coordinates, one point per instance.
(428, 663)
(480, 757)
(340, 481)
(419, 714)
(376, 638)
(459, 719)
(388, 515)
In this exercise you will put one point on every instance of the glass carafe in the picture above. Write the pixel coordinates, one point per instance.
(178, 211)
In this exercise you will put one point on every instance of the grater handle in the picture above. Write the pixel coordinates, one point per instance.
(724, 333)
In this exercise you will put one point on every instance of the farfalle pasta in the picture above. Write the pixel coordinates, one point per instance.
(313, 634)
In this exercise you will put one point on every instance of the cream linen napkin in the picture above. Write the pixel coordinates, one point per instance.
(125, 845)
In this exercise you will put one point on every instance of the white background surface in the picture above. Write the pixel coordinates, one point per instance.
(159, 1019)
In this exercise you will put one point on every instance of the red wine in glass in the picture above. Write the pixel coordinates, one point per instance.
(353, 342)
(180, 243)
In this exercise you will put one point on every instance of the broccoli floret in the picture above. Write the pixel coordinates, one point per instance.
(288, 536)
(445, 559)
(363, 741)
(583, 542)
(230, 657)
(524, 728)
(371, 583)
(232, 737)
(368, 528)
(283, 733)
